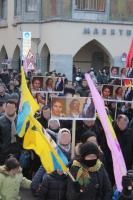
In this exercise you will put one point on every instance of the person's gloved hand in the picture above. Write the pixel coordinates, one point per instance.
(76, 186)
(127, 187)
(126, 182)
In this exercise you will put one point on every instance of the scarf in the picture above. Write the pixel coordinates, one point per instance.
(13, 127)
(83, 176)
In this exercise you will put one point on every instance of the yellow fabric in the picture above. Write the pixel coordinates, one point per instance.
(40, 143)
(26, 95)
(91, 169)
(83, 176)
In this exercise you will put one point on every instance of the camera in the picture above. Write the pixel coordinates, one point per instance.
(127, 183)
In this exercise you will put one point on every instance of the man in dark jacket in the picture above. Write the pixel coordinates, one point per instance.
(8, 140)
(53, 186)
(125, 139)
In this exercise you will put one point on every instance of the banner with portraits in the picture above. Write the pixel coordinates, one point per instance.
(47, 84)
(115, 108)
(69, 108)
(117, 93)
(121, 73)
(40, 98)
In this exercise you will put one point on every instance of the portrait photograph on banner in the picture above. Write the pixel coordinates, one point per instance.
(47, 84)
(117, 93)
(69, 108)
(121, 72)
(40, 98)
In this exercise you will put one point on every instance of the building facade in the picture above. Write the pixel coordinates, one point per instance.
(86, 33)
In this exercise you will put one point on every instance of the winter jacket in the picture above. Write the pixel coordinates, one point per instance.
(10, 185)
(125, 139)
(6, 147)
(37, 180)
(53, 187)
(5, 132)
(99, 187)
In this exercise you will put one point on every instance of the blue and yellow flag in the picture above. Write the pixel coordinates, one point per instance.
(28, 106)
(50, 154)
(35, 138)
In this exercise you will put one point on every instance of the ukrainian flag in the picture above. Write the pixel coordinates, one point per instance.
(28, 106)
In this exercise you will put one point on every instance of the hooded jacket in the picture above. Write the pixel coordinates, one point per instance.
(125, 139)
(10, 185)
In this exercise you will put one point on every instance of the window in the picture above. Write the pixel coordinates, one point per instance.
(3, 9)
(17, 7)
(31, 5)
(92, 5)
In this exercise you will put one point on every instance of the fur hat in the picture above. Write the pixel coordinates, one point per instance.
(88, 148)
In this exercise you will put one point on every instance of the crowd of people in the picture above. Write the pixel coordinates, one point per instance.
(91, 166)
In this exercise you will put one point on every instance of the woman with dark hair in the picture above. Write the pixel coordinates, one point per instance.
(128, 96)
(119, 93)
(114, 71)
(36, 84)
(11, 179)
(123, 72)
(59, 84)
(49, 85)
(57, 107)
(40, 99)
(107, 91)
(88, 109)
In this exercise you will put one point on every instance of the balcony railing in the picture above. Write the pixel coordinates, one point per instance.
(90, 5)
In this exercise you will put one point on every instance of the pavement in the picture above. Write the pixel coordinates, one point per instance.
(26, 195)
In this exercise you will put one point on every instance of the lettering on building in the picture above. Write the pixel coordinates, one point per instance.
(111, 32)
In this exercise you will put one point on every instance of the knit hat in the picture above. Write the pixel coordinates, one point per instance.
(14, 96)
(88, 148)
(87, 135)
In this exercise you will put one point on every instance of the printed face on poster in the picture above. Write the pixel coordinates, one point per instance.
(66, 108)
(121, 72)
(117, 93)
(47, 84)
(40, 98)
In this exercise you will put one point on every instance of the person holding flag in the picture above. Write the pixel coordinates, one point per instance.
(35, 137)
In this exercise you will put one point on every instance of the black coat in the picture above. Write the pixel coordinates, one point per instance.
(6, 147)
(99, 187)
(125, 139)
(5, 132)
(53, 187)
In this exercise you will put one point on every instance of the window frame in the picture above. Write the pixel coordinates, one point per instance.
(27, 5)
(89, 10)
(3, 10)
(17, 8)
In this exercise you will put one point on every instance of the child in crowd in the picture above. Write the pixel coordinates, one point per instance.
(11, 179)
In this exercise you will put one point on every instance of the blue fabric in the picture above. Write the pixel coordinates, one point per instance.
(116, 195)
(38, 178)
(63, 158)
(22, 117)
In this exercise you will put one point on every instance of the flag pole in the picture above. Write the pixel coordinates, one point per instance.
(73, 137)
(71, 176)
